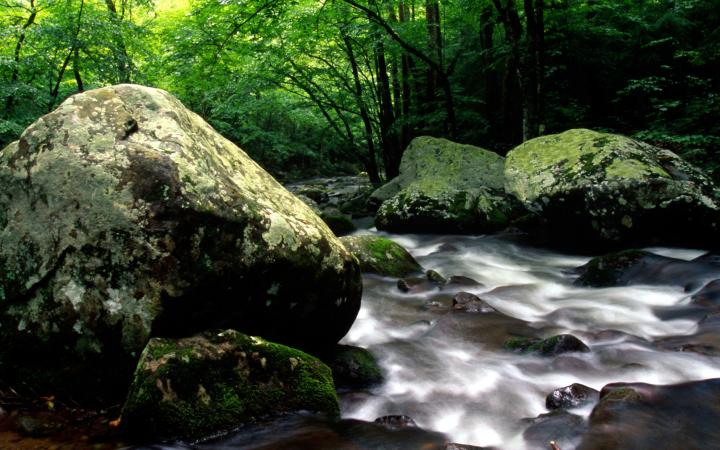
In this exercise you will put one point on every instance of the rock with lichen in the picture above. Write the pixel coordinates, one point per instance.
(193, 387)
(446, 187)
(381, 255)
(604, 189)
(123, 215)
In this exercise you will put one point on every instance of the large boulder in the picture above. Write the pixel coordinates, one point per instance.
(603, 189)
(446, 187)
(124, 215)
(192, 387)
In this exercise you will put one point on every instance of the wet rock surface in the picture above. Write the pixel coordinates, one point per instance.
(315, 432)
(641, 416)
(352, 367)
(633, 267)
(396, 422)
(561, 427)
(552, 346)
(465, 301)
(573, 396)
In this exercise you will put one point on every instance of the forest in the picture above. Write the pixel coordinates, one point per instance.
(359, 224)
(318, 87)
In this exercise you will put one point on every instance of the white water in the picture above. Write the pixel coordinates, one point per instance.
(458, 380)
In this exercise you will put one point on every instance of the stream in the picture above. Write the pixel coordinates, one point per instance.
(449, 371)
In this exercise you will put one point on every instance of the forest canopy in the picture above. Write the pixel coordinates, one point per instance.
(311, 87)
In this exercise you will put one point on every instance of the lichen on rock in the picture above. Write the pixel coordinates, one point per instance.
(125, 214)
(445, 186)
(606, 189)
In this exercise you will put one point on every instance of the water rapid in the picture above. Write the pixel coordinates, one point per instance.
(453, 376)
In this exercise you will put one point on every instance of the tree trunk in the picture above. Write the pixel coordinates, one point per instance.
(405, 97)
(371, 163)
(76, 70)
(528, 63)
(55, 90)
(444, 77)
(388, 139)
(432, 15)
(122, 59)
(10, 101)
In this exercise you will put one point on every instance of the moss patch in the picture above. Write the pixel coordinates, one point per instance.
(193, 387)
(381, 255)
(444, 186)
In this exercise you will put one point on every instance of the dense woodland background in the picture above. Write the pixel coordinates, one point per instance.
(312, 87)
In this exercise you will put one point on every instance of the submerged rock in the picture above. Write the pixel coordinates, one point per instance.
(302, 431)
(416, 285)
(381, 255)
(396, 422)
(465, 301)
(560, 427)
(708, 296)
(705, 340)
(631, 267)
(353, 367)
(642, 416)
(123, 214)
(446, 187)
(573, 396)
(598, 189)
(435, 277)
(194, 387)
(552, 346)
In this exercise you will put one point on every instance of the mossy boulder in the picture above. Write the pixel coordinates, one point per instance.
(124, 214)
(381, 255)
(353, 367)
(599, 189)
(446, 187)
(193, 387)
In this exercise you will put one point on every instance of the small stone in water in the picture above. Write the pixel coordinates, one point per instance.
(435, 277)
(396, 421)
(571, 396)
(465, 301)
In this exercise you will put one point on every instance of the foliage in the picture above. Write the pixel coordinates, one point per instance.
(308, 87)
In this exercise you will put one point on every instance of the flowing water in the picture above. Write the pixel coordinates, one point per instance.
(454, 377)
(449, 371)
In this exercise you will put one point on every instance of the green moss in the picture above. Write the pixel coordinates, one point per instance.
(633, 169)
(381, 255)
(576, 157)
(196, 386)
(353, 367)
(445, 186)
(523, 345)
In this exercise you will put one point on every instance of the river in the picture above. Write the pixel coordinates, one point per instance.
(449, 370)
